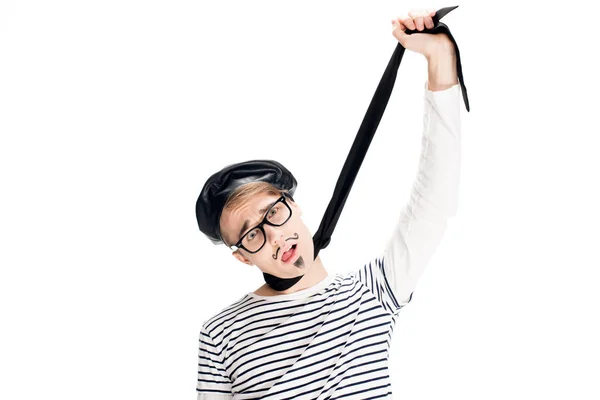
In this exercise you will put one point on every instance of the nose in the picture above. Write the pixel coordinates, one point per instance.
(278, 239)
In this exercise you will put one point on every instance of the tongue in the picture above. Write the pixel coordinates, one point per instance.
(285, 256)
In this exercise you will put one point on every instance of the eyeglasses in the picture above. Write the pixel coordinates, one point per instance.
(254, 239)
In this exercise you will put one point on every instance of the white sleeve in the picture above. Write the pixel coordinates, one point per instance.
(213, 396)
(213, 380)
(434, 195)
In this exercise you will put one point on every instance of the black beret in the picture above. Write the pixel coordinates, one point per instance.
(221, 185)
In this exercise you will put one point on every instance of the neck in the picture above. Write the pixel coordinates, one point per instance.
(315, 273)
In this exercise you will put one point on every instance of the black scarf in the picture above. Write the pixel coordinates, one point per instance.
(359, 148)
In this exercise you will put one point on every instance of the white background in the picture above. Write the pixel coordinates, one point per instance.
(114, 113)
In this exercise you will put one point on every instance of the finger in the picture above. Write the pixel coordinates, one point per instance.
(427, 20)
(408, 22)
(398, 25)
(398, 29)
(431, 11)
(400, 35)
(418, 19)
(419, 23)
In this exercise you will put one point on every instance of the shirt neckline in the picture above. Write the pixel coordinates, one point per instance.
(300, 293)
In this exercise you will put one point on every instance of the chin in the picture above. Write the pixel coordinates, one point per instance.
(298, 266)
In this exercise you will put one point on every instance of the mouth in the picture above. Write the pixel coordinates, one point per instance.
(289, 255)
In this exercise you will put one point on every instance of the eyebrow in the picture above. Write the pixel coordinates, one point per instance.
(247, 222)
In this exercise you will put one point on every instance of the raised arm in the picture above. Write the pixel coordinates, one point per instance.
(393, 276)
(434, 196)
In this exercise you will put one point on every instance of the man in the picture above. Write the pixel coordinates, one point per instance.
(307, 334)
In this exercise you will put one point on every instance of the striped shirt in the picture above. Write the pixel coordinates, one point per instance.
(331, 341)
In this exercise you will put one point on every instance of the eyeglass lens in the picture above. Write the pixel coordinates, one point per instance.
(277, 215)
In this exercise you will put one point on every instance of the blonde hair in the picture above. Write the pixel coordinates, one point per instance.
(240, 195)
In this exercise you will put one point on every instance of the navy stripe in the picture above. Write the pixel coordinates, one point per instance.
(304, 348)
(342, 308)
(362, 391)
(320, 379)
(247, 328)
(211, 381)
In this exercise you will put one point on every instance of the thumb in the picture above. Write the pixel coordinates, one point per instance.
(398, 32)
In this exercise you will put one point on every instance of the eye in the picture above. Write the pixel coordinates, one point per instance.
(251, 235)
(273, 211)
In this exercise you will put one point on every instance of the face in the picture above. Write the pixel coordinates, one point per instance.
(270, 258)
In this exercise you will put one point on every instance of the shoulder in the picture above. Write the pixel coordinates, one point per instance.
(226, 313)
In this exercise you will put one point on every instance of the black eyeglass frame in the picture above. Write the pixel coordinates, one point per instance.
(264, 221)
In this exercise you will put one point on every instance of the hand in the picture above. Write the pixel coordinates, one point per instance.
(422, 43)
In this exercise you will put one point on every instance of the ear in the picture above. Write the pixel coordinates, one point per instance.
(240, 257)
